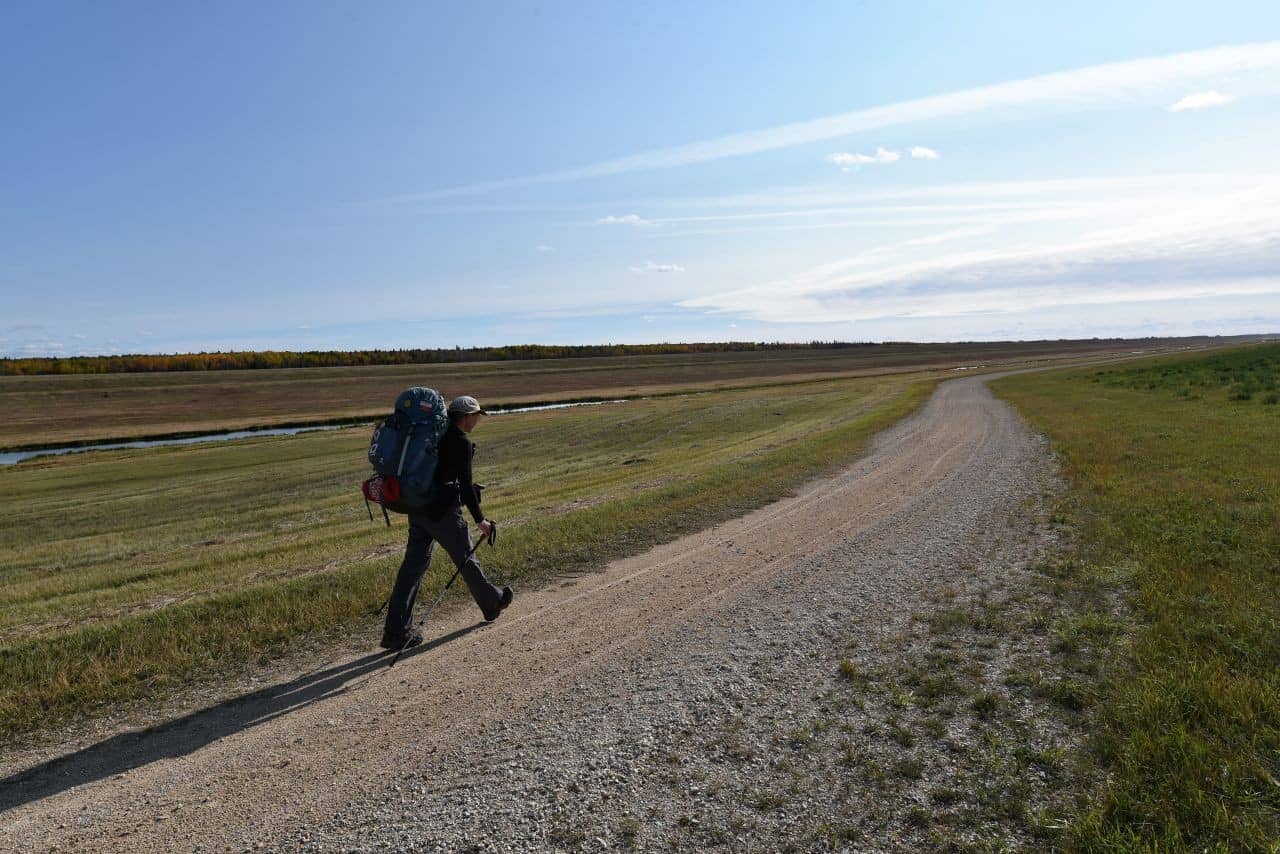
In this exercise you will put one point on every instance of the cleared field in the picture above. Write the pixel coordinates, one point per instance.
(128, 574)
(1175, 466)
(52, 410)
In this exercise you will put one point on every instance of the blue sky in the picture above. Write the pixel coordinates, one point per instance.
(180, 176)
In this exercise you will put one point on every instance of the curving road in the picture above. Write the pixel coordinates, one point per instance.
(553, 727)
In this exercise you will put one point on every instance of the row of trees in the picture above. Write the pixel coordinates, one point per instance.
(269, 359)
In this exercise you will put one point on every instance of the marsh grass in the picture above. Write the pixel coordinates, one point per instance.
(1176, 493)
(130, 574)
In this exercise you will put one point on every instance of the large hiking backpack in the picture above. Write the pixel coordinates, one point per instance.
(403, 452)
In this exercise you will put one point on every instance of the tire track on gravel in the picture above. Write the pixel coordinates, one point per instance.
(231, 777)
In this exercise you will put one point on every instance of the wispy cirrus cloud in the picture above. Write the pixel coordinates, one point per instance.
(958, 205)
(1109, 85)
(1200, 101)
(1198, 245)
(1017, 282)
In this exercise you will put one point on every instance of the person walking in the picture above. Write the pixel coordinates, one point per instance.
(442, 522)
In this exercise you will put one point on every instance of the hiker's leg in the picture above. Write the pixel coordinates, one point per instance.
(454, 537)
(417, 557)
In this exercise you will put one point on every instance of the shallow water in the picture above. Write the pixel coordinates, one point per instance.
(10, 458)
(514, 409)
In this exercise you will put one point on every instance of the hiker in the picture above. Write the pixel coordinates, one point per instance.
(441, 522)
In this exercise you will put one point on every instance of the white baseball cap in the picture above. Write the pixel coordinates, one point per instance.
(465, 405)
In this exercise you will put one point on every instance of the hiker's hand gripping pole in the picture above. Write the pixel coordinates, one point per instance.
(492, 539)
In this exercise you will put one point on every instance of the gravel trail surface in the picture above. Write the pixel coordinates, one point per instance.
(657, 704)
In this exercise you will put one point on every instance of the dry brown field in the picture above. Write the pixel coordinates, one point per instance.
(44, 411)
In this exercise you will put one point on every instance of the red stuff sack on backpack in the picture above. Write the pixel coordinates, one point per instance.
(381, 489)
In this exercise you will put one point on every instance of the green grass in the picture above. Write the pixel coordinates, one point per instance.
(129, 574)
(1175, 466)
(1251, 374)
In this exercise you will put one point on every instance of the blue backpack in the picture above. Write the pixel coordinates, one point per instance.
(403, 453)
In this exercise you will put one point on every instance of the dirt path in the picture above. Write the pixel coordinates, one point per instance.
(594, 713)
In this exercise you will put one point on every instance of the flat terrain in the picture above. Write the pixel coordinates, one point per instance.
(941, 646)
(662, 702)
(52, 410)
(130, 574)
(1175, 505)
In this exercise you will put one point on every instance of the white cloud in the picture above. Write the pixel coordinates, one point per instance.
(1200, 101)
(629, 219)
(651, 267)
(826, 194)
(1181, 247)
(959, 205)
(542, 247)
(1093, 87)
(919, 152)
(882, 155)
(947, 236)
(1022, 282)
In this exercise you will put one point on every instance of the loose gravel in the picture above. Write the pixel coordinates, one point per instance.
(758, 686)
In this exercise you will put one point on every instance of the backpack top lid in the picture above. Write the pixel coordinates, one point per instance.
(421, 404)
(424, 406)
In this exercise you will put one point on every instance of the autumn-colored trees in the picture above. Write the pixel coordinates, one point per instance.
(267, 359)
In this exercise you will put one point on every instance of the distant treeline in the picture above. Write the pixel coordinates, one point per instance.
(269, 359)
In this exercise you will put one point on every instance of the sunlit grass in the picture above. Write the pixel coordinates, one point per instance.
(127, 574)
(1177, 496)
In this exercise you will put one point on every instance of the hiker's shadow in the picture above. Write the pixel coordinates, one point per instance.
(185, 735)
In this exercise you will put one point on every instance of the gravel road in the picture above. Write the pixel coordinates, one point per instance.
(657, 704)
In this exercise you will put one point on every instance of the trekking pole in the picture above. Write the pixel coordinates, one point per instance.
(492, 538)
(493, 535)
(384, 605)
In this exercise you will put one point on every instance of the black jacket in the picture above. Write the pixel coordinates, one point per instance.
(453, 484)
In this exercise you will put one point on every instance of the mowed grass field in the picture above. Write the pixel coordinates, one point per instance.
(1175, 466)
(51, 410)
(127, 575)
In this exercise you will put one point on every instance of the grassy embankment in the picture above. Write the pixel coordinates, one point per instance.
(52, 410)
(1175, 465)
(129, 574)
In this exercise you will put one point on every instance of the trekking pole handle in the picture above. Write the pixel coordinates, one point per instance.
(491, 537)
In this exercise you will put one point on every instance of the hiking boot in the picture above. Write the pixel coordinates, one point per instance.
(491, 614)
(394, 640)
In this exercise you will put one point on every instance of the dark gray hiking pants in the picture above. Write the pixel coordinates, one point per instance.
(451, 532)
